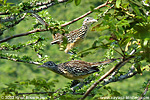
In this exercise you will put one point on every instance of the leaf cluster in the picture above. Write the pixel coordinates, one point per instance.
(122, 30)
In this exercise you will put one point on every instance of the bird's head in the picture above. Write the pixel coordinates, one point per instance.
(49, 65)
(89, 21)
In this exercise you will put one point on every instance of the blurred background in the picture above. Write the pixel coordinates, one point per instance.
(14, 71)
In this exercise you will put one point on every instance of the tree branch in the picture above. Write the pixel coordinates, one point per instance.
(37, 30)
(35, 93)
(132, 68)
(33, 31)
(41, 5)
(122, 63)
(122, 77)
(17, 22)
(19, 60)
(8, 19)
(38, 92)
(13, 24)
(22, 34)
(76, 19)
(103, 14)
(19, 47)
(84, 15)
(128, 75)
(110, 80)
(146, 89)
(4, 13)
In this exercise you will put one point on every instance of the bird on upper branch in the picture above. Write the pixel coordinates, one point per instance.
(75, 37)
(75, 69)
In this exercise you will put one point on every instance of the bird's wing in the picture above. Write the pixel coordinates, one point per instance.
(72, 36)
(79, 68)
(57, 38)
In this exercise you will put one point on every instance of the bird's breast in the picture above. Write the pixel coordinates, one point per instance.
(73, 77)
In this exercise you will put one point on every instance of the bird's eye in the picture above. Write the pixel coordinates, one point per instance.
(49, 64)
(87, 19)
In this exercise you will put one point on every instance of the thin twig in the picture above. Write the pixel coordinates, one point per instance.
(121, 50)
(13, 24)
(84, 15)
(115, 72)
(39, 92)
(105, 82)
(17, 48)
(103, 14)
(22, 34)
(38, 4)
(42, 6)
(4, 13)
(74, 20)
(122, 63)
(17, 22)
(8, 19)
(11, 18)
(132, 52)
(19, 60)
(122, 77)
(37, 30)
(35, 93)
(118, 52)
(146, 89)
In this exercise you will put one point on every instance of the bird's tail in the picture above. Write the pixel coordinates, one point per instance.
(40, 19)
(57, 38)
(105, 62)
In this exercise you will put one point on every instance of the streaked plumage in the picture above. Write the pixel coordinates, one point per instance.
(74, 37)
(75, 69)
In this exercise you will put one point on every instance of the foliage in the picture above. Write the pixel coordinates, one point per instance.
(122, 30)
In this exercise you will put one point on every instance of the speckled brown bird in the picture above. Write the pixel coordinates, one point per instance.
(75, 69)
(75, 37)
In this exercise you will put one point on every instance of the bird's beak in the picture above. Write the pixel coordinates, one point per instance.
(94, 20)
(41, 66)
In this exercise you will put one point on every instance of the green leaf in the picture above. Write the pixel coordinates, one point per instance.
(77, 2)
(146, 1)
(5, 1)
(135, 8)
(118, 2)
(146, 48)
(138, 67)
(148, 18)
(98, 27)
(69, 1)
(85, 54)
(94, 44)
(124, 41)
(92, 8)
(1, 1)
(142, 32)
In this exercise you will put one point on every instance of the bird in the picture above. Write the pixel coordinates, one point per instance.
(75, 69)
(74, 37)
